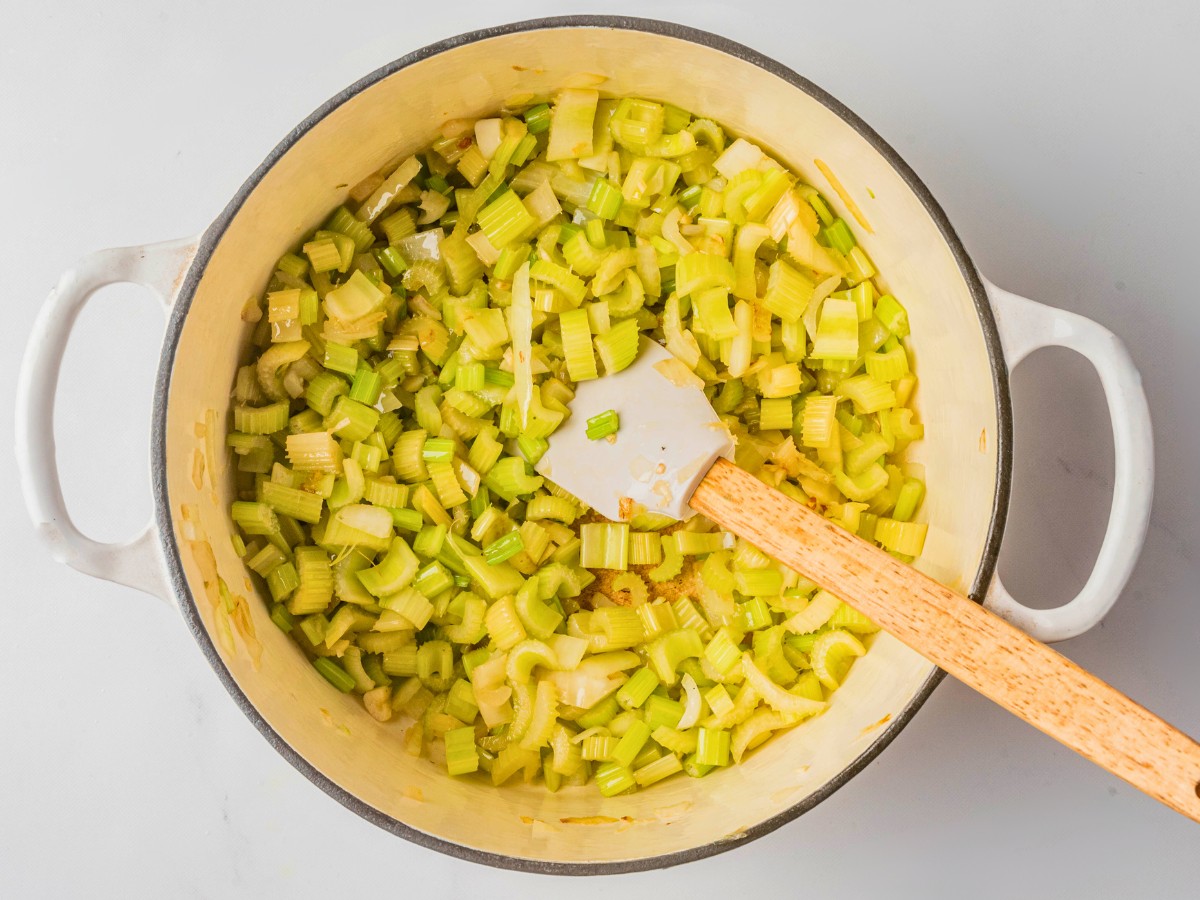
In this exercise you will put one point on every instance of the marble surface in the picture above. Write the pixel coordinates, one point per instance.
(1059, 137)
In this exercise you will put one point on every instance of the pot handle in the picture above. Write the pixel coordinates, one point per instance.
(1026, 326)
(136, 563)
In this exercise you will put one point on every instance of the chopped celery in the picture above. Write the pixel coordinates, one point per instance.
(419, 352)
(606, 423)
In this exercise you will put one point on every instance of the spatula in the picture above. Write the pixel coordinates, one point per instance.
(672, 455)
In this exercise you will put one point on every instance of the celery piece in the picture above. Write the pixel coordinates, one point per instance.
(909, 499)
(462, 756)
(605, 545)
(334, 674)
(637, 690)
(504, 219)
(894, 316)
(571, 124)
(618, 347)
(537, 118)
(607, 423)
(503, 548)
(577, 344)
(605, 199)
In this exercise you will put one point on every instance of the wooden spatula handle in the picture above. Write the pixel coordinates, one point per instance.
(978, 648)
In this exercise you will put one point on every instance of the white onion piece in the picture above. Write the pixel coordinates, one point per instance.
(488, 136)
(691, 709)
(373, 520)
(822, 290)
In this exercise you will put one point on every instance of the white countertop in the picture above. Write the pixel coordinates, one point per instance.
(1061, 140)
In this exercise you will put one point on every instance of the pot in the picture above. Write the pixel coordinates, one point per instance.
(966, 337)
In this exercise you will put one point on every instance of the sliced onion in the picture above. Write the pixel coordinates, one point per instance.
(691, 709)
(373, 520)
(488, 135)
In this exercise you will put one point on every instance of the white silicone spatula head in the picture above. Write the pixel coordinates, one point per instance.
(668, 439)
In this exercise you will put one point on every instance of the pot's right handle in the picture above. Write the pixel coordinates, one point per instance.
(136, 563)
(1026, 326)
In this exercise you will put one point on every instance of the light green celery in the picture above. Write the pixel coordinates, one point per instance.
(894, 316)
(618, 347)
(602, 425)
(432, 579)
(656, 771)
(621, 626)
(753, 614)
(503, 548)
(901, 537)
(887, 366)
(788, 292)
(662, 712)
(334, 674)
(323, 255)
(314, 452)
(716, 318)
(695, 543)
(551, 273)
(723, 651)
(462, 756)
(630, 744)
(598, 747)
(869, 452)
(292, 502)
(261, 420)
(672, 563)
(605, 545)
(645, 548)
(637, 690)
(509, 478)
(505, 219)
(869, 394)
(599, 714)
(283, 581)
(863, 486)
(539, 618)
(577, 344)
(571, 124)
(759, 582)
(315, 587)
(818, 420)
(836, 336)
(775, 413)
(712, 747)
(351, 420)
(700, 271)
(605, 199)
(666, 652)
(435, 665)
(860, 266)
(837, 234)
(613, 779)
(355, 299)
(559, 509)
(394, 571)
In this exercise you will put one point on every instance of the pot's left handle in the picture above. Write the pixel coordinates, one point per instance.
(136, 563)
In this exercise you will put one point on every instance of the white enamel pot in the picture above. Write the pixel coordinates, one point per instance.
(966, 337)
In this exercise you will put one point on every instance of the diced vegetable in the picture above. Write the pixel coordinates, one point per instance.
(416, 357)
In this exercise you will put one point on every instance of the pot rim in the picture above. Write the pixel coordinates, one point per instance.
(212, 237)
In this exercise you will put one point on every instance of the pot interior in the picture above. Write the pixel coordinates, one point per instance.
(390, 115)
